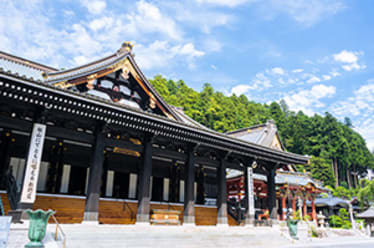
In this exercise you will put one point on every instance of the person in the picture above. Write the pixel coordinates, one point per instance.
(291, 224)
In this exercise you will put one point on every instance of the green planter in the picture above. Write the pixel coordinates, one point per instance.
(38, 225)
(292, 228)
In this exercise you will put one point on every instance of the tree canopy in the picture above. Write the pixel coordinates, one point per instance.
(339, 153)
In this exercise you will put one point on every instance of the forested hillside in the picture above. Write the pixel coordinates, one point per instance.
(339, 153)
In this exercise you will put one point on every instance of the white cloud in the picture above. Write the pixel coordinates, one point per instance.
(335, 74)
(189, 50)
(277, 70)
(326, 77)
(259, 82)
(350, 60)
(361, 102)
(313, 79)
(305, 12)
(353, 66)
(360, 106)
(346, 57)
(94, 7)
(224, 3)
(308, 100)
(101, 23)
(148, 19)
(162, 53)
(240, 89)
(297, 70)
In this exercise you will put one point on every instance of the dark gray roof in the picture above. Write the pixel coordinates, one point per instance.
(185, 118)
(330, 201)
(369, 213)
(262, 134)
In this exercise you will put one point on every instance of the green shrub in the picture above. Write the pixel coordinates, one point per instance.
(335, 221)
(347, 224)
(306, 218)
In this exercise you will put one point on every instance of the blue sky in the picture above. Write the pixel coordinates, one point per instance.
(315, 54)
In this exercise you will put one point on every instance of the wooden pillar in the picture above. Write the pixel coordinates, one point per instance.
(52, 168)
(91, 211)
(60, 168)
(145, 173)
(294, 206)
(189, 180)
(104, 176)
(221, 194)
(283, 207)
(271, 193)
(314, 215)
(173, 176)
(200, 198)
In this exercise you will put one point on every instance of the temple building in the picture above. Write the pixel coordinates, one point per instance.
(294, 190)
(98, 143)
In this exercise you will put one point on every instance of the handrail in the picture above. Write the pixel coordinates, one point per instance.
(58, 227)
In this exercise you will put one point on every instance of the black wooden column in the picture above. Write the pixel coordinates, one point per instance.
(145, 173)
(91, 211)
(60, 167)
(221, 194)
(189, 180)
(5, 148)
(200, 198)
(271, 192)
(104, 175)
(172, 180)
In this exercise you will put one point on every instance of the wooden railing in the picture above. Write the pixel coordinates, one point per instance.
(58, 228)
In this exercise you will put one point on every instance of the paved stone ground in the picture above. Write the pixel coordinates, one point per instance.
(102, 236)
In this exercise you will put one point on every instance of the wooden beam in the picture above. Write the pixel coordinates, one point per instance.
(123, 144)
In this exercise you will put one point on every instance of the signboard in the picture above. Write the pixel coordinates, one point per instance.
(33, 163)
(251, 203)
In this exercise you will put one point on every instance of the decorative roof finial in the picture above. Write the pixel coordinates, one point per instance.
(44, 75)
(126, 47)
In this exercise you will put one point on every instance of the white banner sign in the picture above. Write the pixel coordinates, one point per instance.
(33, 163)
(251, 201)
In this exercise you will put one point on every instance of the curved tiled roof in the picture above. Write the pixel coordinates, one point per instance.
(369, 213)
(22, 67)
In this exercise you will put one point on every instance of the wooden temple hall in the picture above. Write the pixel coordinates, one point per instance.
(98, 143)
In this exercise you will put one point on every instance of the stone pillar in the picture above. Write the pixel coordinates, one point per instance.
(91, 211)
(221, 194)
(189, 180)
(305, 213)
(283, 207)
(271, 193)
(145, 173)
(248, 184)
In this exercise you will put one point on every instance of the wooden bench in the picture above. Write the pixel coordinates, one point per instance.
(165, 217)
